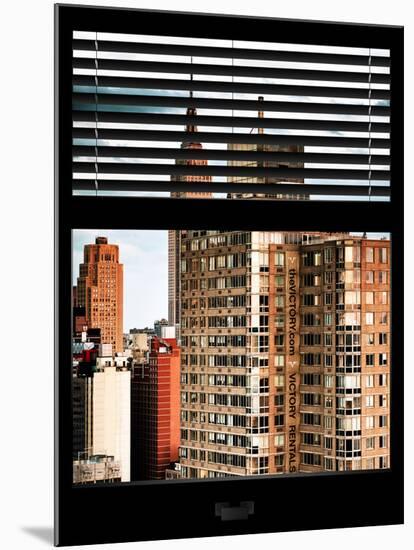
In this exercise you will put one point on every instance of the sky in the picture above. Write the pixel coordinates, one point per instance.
(144, 254)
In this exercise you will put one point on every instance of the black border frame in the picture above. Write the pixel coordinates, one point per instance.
(184, 509)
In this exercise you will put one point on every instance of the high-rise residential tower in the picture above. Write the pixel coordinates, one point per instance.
(100, 291)
(285, 353)
(155, 408)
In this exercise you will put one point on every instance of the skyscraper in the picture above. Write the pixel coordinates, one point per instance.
(266, 149)
(100, 291)
(285, 353)
(174, 235)
(192, 144)
(155, 402)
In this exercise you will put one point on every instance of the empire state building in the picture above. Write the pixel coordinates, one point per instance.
(174, 235)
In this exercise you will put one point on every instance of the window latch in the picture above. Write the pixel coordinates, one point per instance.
(225, 512)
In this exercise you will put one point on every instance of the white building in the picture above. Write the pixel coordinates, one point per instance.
(112, 415)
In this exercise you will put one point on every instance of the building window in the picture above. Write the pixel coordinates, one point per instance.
(279, 281)
(279, 340)
(311, 419)
(311, 459)
(310, 300)
(279, 400)
(369, 318)
(369, 422)
(370, 360)
(369, 297)
(279, 440)
(279, 259)
(328, 360)
(309, 438)
(369, 277)
(383, 338)
(383, 318)
(382, 298)
(369, 254)
(279, 380)
(328, 422)
(328, 443)
(383, 421)
(311, 320)
(383, 462)
(279, 320)
(369, 400)
(370, 442)
(382, 255)
(328, 255)
(313, 399)
(328, 339)
(382, 277)
(328, 318)
(369, 339)
(279, 460)
(369, 381)
(279, 360)
(382, 441)
(309, 379)
(382, 380)
(279, 301)
(328, 298)
(279, 419)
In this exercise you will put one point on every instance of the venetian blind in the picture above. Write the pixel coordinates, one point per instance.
(188, 117)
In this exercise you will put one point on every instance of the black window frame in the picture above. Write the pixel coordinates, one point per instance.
(188, 508)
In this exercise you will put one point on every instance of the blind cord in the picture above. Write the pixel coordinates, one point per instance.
(96, 114)
(369, 126)
(232, 85)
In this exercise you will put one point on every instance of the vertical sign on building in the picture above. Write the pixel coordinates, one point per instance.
(292, 379)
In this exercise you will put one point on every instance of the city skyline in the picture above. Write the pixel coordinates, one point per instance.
(279, 361)
(143, 253)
